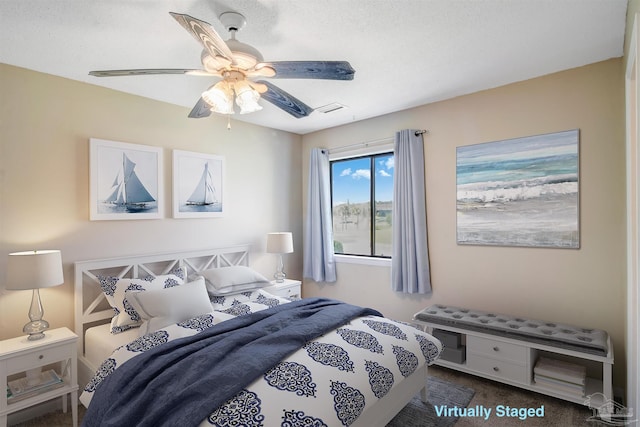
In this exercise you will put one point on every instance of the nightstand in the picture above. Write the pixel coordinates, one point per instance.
(57, 351)
(288, 289)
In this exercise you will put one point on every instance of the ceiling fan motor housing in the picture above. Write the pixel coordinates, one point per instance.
(233, 21)
(244, 55)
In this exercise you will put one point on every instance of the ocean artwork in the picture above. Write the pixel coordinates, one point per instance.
(519, 192)
(125, 181)
(198, 185)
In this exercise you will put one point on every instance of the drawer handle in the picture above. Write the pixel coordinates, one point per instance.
(496, 369)
(41, 357)
(496, 348)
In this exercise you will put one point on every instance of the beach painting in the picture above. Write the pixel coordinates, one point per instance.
(519, 192)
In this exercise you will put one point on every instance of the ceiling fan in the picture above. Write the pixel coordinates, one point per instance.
(239, 65)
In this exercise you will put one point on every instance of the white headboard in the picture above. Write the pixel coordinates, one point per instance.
(91, 306)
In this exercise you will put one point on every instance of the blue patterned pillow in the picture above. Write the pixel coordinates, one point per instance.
(114, 289)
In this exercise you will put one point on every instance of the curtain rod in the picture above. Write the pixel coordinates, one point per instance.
(369, 143)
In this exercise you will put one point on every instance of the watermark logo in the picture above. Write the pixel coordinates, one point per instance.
(607, 411)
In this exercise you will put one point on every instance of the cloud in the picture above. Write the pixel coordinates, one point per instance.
(383, 173)
(361, 173)
(389, 164)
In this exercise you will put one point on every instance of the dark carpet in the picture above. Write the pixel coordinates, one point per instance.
(415, 414)
(441, 392)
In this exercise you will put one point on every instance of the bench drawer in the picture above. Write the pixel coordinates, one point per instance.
(497, 349)
(498, 368)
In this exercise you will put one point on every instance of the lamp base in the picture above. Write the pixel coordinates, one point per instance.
(38, 325)
(36, 329)
(279, 275)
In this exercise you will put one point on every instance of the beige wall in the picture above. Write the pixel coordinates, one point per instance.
(46, 123)
(45, 126)
(584, 287)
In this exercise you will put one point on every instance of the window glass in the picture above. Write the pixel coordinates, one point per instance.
(383, 166)
(362, 197)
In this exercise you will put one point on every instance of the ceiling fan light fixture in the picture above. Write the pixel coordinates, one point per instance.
(247, 97)
(220, 98)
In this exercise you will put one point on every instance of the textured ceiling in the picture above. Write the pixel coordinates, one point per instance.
(405, 52)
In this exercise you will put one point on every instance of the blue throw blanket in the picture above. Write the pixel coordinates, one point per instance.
(183, 381)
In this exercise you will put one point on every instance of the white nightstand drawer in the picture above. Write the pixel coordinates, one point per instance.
(39, 357)
(287, 289)
(498, 368)
(291, 292)
(497, 349)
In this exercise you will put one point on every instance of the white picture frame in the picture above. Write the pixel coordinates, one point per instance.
(125, 181)
(198, 185)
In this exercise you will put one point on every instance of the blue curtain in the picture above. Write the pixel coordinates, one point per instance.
(319, 263)
(410, 259)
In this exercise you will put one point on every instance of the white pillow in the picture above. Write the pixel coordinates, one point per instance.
(236, 289)
(237, 278)
(258, 296)
(114, 288)
(162, 307)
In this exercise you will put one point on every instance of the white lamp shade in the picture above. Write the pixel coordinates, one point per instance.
(34, 269)
(247, 98)
(279, 243)
(220, 98)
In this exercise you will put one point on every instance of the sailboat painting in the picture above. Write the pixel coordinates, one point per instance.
(125, 181)
(197, 185)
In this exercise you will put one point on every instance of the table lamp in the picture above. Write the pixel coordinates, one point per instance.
(279, 243)
(34, 270)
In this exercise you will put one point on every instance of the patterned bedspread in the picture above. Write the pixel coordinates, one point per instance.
(330, 381)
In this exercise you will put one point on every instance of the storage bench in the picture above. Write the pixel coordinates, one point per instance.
(564, 361)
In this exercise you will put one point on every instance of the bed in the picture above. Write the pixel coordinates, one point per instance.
(263, 360)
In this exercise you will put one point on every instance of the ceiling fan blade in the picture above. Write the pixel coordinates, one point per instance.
(200, 110)
(205, 34)
(330, 70)
(285, 101)
(145, 72)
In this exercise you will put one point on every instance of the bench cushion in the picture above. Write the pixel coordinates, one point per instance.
(592, 341)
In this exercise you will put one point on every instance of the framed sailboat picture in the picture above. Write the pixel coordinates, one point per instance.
(125, 181)
(198, 185)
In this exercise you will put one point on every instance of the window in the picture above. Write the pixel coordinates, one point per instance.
(362, 200)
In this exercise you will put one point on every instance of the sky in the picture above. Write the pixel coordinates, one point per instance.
(352, 179)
